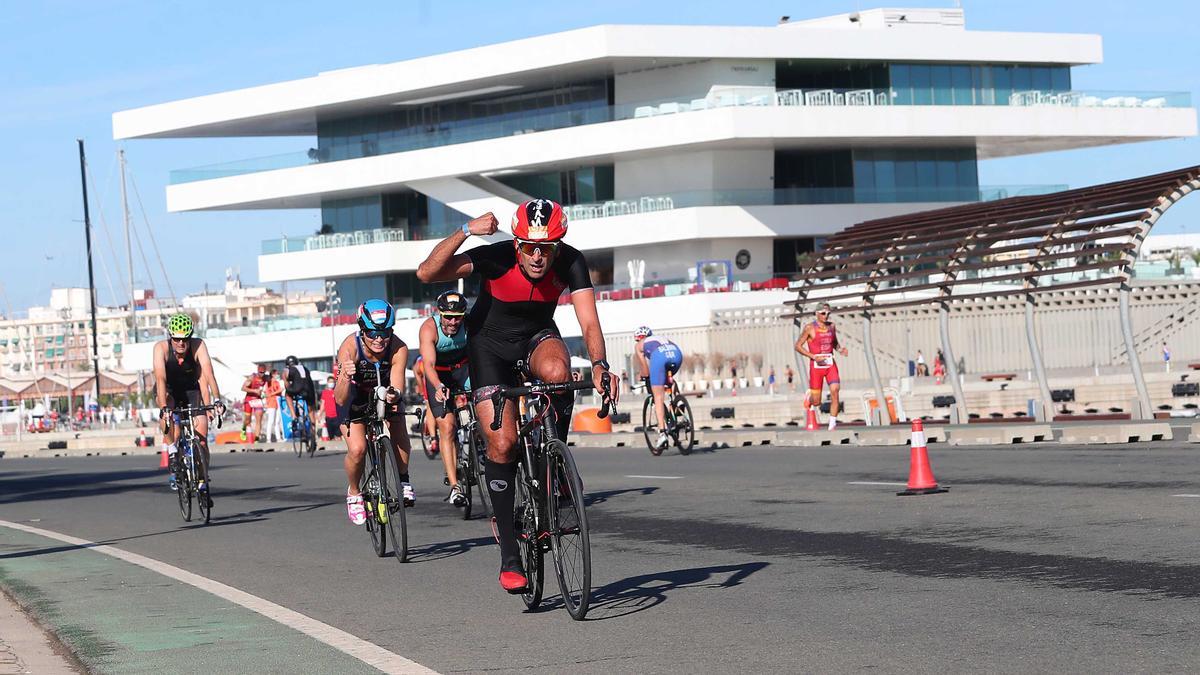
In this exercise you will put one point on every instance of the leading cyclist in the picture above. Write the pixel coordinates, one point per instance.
(444, 345)
(183, 373)
(659, 358)
(513, 320)
(372, 357)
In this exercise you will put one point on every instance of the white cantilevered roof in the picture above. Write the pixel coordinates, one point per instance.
(292, 107)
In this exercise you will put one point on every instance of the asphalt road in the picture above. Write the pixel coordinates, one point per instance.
(1040, 558)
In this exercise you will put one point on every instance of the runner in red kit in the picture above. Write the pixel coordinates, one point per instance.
(817, 342)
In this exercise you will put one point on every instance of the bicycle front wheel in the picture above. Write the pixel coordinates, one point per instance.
(391, 497)
(203, 496)
(650, 427)
(369, 487)
(568, 529)
(685, 430)
(183, 488)
(297, 440)
(476, 480)
(525, 512)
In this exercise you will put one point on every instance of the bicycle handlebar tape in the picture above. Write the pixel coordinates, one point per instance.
(920, 474)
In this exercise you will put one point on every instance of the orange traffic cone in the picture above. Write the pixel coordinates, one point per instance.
(162, 459)
(811, 424)
(920, 474)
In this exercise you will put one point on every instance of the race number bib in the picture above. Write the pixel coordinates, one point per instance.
(255, 403)
(822, 361)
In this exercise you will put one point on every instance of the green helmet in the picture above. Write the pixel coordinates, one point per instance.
(180, 326)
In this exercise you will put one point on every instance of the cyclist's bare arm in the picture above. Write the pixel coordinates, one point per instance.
(443, 263)
(160, 374)
(249, 389)
(208, 381)
(643, 363)
(593, 338)
(344, 371)
(428, 348)
(802, 342)
(399, 363)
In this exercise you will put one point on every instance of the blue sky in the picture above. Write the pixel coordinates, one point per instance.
(69, 65)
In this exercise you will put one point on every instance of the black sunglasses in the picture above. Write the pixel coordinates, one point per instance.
(377, 334)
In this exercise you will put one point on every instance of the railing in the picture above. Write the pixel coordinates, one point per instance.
(683, 200)
(437, 135)
(317, 242)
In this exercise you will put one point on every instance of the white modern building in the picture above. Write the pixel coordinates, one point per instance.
(681, 152)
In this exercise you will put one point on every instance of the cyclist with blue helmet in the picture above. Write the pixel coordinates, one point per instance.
(659, 358)
(372, 357)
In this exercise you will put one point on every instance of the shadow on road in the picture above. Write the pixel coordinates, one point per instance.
(593, 498)
(14, 489)
(646, 591)
(447, 549)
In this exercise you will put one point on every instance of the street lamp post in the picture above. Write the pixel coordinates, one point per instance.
(332, 301)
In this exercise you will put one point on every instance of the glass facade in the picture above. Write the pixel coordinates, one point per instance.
(934, 174)
(577, 186)
(951, 84)
(418, 216)
(434, 124)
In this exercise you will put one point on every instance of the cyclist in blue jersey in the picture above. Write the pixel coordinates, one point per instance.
(659, 358)
(444, 345)
(372, 357)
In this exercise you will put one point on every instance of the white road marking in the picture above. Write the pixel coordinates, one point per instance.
(1185, 495)
(660, 477)
(370, 654)
(865, 482)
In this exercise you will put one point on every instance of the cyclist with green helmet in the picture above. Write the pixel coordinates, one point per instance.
(184, 375)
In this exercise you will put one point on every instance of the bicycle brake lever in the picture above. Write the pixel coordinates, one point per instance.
(607, 397)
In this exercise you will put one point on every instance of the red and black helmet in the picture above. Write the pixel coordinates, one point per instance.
(539, 220)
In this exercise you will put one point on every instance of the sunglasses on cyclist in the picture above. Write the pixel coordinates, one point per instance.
(530, 247)
(378, 334)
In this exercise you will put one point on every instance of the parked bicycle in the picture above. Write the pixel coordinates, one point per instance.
(549, 509)
(191, 467)
(680, 424)
(382, 494)
(470, 451)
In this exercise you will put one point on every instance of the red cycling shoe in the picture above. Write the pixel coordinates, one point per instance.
(513, 581)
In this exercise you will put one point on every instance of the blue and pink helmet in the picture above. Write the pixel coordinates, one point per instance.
(376, 314)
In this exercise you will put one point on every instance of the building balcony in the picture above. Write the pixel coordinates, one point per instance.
(467, 131)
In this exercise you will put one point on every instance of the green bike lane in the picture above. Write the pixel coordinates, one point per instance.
(119, 617)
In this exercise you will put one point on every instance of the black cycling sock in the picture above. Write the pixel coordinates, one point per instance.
(563, 407)
(404, 478)
(502, 479)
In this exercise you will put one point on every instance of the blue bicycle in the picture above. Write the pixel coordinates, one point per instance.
(303, 435)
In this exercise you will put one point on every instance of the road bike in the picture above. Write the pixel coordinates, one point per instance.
(380, 485)
(549, 511)
(681, 428)
(419, 429)
(470, 452)
(191, 466)
(304, 437)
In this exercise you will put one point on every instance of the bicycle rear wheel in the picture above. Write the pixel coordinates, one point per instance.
(297, 440)
(525, 511)
(569, 538)
(649, 427)
(685, 430)
(369, 486)
(476, 479)
(391, 497)
(425, 447)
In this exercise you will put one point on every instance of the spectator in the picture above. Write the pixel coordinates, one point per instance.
(1166, 356)
(274, 421)
(922, 369)
(330, 411)
(791, 377)
(771, 381)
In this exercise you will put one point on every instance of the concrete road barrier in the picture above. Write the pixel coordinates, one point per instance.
(735, 438)
(896, 434)
(1099, 434)
(1000, 434)
(814, 439)
(1194, 435)
(617, 439)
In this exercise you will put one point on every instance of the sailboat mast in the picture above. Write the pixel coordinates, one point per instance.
(87, 233)
(128, 251)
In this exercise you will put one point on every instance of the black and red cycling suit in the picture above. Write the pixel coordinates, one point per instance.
(513, 312)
